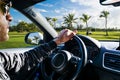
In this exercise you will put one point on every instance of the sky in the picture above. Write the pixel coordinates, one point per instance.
(60, 8)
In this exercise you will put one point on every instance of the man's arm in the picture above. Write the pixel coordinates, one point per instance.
(29, 59)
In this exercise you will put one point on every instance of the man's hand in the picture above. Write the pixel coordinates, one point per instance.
(64, 36)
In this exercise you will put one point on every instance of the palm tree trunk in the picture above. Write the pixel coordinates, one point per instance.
(106, 27)
(86, 28)
(70, 26)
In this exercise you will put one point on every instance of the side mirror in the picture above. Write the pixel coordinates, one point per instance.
(34, 38)
(110, 2)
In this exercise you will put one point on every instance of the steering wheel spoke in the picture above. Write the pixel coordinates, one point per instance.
(75, 60)
(45, 75)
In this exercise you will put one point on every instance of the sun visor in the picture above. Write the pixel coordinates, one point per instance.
(22, 4)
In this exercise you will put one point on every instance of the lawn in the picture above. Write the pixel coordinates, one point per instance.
(17, 39)
(99, 35)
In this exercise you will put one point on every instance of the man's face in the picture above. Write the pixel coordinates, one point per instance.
(5, 18)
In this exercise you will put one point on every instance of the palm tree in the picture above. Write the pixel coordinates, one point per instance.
(36, 38)
(69, 20)
(85, 19)
(49, 20)
(105, 15)
(54, 21)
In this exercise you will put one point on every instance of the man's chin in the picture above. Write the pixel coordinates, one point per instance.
(4, 39)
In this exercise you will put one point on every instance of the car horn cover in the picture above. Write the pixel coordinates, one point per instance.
(60, 60)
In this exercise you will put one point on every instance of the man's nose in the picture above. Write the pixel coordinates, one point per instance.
(9, 17)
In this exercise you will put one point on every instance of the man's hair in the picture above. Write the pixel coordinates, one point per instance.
(5, 1)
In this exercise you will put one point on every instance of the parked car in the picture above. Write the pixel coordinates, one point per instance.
(82, 58)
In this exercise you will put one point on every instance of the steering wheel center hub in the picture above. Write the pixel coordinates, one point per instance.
(60, 60)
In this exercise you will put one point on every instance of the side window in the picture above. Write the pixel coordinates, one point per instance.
(19, 27)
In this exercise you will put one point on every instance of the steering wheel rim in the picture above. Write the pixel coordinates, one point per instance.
(80, 62)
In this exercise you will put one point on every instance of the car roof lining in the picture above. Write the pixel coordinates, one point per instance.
(26, 3)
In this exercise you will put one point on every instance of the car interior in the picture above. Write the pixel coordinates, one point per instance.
(82, 58)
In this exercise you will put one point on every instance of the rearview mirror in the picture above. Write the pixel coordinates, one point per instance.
(110, 2)
(34, 38)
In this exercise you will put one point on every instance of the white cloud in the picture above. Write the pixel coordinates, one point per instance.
(94, 8)
(74, 0)
(41, 10)
(87, 2)
(57, 11)
(90, 7)
(47, 5)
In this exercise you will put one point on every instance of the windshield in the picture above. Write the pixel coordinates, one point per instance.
(88, 17)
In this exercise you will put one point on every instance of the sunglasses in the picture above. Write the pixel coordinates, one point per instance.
(5, 8)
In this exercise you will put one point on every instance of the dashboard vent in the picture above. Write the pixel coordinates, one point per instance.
(112, 61)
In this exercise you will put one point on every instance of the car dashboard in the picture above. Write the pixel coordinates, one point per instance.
(104, 57)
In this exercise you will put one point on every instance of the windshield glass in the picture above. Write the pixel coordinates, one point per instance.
(88, 17)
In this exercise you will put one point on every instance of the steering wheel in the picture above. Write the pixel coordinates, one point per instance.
(73, 57)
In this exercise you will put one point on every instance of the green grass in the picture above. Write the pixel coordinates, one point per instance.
(17, 39)
(113, 35)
